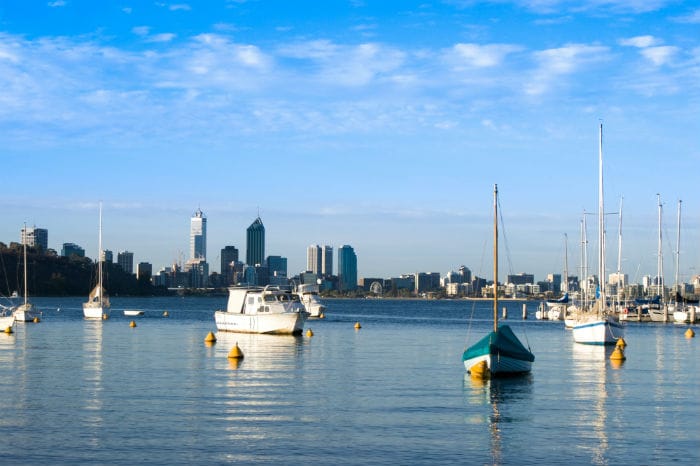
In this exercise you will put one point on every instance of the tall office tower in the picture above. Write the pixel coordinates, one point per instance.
(313, 259)
(326, 260)
(347, 268)
(144, 270)
(198, 236)
(70, 249)
(229, 257)
(35, 237)
(125, 259)
(255, 243)
(107, 256)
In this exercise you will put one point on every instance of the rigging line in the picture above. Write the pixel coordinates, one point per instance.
(505, 238)
(471, 316)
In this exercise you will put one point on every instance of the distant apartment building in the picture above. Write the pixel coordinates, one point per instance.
(347, 268)
(125, 260)
(198, 236)
(144, 270)
(35, 237)
(313, 259)
(107, 256)
(72, 249)
(277, 268)
(521, 279)
(229, 259)
(255, 243)
(426, 282)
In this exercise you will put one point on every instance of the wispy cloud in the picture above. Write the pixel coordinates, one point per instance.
(179, 6)
(481, 56)
(639, 41)
(57, 3)
(659, 55)
(555, 64)
(693, 17)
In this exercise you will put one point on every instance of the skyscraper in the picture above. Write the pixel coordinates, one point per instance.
(255, 243)
(35, 237)
(125, 259)
(326, 261)
(313, 259)
(347, 268)
(198, 236)
(229, 257)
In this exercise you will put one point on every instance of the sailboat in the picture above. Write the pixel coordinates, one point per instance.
(659, 312)
(25, 312)
(499, 353)
(682, 313)
(595, 326)
(97, 306)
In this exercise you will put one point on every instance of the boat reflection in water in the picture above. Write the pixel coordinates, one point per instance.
(92, 389)
(590, 398)
(495, 403)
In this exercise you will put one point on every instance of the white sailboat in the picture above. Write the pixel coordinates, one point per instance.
(659, 313)
(596, 326)
(682, 313)
(25, 312)
(97, 306)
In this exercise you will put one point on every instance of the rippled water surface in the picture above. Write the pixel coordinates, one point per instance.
(393, 392)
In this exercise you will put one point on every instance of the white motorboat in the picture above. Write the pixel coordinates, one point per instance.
(133, 312)
(310, 299)
(262, 310)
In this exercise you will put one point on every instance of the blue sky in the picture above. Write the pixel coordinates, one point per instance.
(378, 124)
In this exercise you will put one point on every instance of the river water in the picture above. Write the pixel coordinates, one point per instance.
(393, 392)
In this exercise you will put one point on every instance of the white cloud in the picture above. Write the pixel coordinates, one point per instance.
(481, 56)
(639, 41)
(554, 64)
(692, 18)
(163, 37)
(659, 55)
(180, 6)
(141, 30)
(127, 10)
(57, 4)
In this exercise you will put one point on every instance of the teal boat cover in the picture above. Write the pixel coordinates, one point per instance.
(503, 342)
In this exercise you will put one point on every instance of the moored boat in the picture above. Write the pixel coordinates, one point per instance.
(25, 312)
(308, 294)
(499, 353)
(261, 310)
(133, 312)
(97, 306)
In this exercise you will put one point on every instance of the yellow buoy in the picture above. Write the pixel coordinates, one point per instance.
(480, 370)
(210, 338)
(165, 314)
(357, 325)
(132, 324)
(621, 343)
(8, 330)
(618, 354)
(235, 352)
(309, 333)
(37, 320)
(690, 333)
(105, 316)
(322, 316)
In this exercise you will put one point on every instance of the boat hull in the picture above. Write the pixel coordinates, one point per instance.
(500, 365)
(133, 312)
(6, 321)
(26, 313)
(95, 312)
(597, 332)
(280, 324)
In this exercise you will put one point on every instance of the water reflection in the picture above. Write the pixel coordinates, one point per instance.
(93, 389)
(503, 398)
(590, 396)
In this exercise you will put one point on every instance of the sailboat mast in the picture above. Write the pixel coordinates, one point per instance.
(678, 247)
(99, 257)
(566, 263)
(495, 258)
(660, 257)
(619, 249)
(601, 225)
(25, 264)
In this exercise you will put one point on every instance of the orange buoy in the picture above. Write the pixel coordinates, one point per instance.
(235, 352)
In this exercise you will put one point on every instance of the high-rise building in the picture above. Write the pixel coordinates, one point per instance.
(107, 256)
(70, 249)
(125, 259)
(255, 243)
(145, 270)
(277, 268)
(326, 261)
(198, 236)
(35, 237)
(229, 257)
(347, 268)
(313, 259)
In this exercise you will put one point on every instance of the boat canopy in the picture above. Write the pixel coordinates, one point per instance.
(502, 342)
(563, 300)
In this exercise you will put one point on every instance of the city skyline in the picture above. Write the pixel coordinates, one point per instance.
(374, 124)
